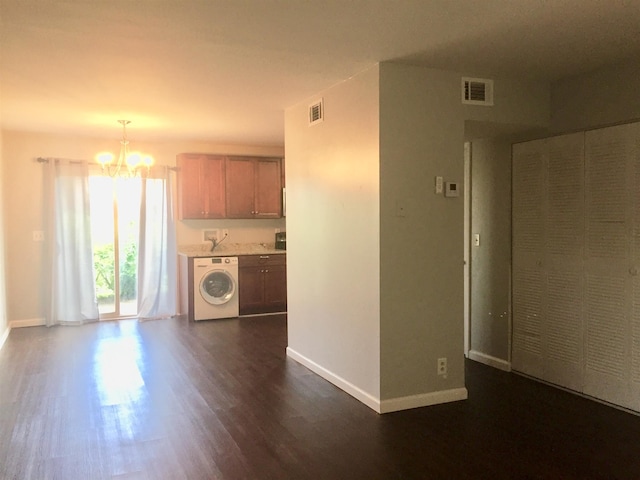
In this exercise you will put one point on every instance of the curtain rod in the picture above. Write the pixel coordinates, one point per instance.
(56, 159)
(48, 159)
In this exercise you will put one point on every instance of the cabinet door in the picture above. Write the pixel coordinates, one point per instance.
(190, 186)
(240, 187)
(213, 194)
(201, 186)
(275, 288)
(268, 192)
(251, 289)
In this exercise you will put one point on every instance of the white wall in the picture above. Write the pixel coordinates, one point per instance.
(388, 132)
(603, 97)
(522, 110)
(491, 260)
(422, 136)
(333, 229)
(519, 105)
(22, 185)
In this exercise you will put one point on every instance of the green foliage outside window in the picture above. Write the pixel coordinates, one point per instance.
(103, 264)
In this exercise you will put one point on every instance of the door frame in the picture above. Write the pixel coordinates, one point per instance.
(467, 248)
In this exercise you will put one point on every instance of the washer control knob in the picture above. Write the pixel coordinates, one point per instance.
(227, 260)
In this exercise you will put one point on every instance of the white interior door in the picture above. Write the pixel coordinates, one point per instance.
(610, 168)
(576, 262)
(564, 258)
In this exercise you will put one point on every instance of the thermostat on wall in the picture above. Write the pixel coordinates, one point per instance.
(451, 189)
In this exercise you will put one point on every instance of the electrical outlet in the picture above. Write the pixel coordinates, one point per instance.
(225, 233)
(38, 236)
(209, 235)
(442, 366)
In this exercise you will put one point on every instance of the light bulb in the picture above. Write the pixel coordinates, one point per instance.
(134, 159)
(104, 158)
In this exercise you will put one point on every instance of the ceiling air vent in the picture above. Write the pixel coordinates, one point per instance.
(316, 112)
(477, 91)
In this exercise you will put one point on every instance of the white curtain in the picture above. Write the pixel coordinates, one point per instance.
(157, 255)
(72, 298)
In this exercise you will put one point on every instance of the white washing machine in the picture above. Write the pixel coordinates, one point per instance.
(215, 288)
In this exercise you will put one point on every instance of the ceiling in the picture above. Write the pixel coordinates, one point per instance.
(225, 70)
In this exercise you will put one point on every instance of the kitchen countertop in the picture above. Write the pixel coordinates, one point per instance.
(229, 250)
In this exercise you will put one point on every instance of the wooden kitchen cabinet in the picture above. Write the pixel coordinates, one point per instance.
(201, 186)
(262, 283)
(254, 187)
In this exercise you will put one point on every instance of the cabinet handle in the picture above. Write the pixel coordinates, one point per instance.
(263, 257)
(266, 271)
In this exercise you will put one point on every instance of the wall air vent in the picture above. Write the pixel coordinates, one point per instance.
(477, 91)
(316, 112)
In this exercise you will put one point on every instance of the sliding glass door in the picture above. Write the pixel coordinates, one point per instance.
(115, 217)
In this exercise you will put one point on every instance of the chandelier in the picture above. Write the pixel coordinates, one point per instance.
(127, 163)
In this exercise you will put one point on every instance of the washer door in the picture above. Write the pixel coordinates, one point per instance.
(217, 287)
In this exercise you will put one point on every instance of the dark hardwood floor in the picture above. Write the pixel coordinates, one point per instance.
(176, 400)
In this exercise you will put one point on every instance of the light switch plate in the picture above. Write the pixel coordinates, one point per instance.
(439, 184)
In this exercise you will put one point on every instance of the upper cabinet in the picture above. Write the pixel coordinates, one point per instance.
(254, 187)
(215, 186)
(201, 186)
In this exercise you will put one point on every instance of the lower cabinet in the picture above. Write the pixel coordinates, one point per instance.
(262, 282)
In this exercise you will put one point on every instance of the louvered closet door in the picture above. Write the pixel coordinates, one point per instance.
(562, 339)
(529, 286)
(634, 269)
(610, 176)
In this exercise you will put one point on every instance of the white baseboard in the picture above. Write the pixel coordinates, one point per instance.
(356, 392)
(27, 322)
(385, 406)
(494, 362)
(423, 400)
(4, 336)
